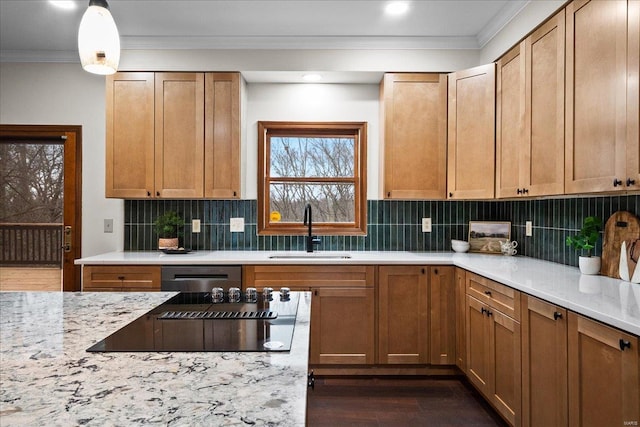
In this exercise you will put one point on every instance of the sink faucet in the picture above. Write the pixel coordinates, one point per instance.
(311, 239)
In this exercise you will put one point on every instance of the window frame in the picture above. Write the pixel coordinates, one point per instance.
(357, 130)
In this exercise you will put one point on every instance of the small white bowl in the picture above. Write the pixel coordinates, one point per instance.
(459, 245)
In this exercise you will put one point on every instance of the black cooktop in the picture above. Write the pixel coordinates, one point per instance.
(192, 322)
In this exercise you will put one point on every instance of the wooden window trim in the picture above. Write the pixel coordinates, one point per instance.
(357, 129)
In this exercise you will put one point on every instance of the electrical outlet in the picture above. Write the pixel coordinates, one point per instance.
(195, 225)
(426, 225)
(108, 225)
(236, 225)
(528, 229)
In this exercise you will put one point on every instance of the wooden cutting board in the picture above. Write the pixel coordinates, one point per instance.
(621, 226)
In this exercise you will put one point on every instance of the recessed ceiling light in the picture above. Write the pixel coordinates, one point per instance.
(396, 8)
(64, 4)
(312, 77)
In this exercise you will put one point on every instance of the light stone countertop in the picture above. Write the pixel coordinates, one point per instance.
(48, 378)
(611, 301)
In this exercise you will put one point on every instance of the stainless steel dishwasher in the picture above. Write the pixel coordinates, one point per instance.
(200, 278)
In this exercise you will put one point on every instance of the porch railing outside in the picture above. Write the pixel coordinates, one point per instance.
(31, 244)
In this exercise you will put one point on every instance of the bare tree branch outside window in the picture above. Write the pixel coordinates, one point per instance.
(321, 168)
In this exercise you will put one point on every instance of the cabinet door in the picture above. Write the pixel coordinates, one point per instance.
(544, 364)
(505, 363)
(478, 333)
(442, 315)
(179, 103)
(342, 326)
(121, 278)
(633, 98)
(603, 375)
(222, 136)
(596, 95)
(471, 136)
(403, 321)
(542, 171)
(414, 108)
(461, 302)
(129, 135)
(510, 110)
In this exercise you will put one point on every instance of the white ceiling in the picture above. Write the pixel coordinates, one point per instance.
(35, 30)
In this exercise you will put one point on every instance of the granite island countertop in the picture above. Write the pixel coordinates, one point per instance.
(611, 301)
(47, 377)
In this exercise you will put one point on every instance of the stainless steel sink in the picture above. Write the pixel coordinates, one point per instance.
(310, 255)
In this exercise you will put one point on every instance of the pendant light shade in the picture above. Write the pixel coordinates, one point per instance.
(98, 39)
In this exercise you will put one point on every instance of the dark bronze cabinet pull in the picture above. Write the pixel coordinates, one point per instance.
(624, 344)
(487, 293)
(630, 182)
(616, 182)
(557, 315)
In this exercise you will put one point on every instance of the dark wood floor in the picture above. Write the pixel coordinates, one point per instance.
(397, 402)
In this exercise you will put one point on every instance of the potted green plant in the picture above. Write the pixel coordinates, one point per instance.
(168, 226)
(585, 241)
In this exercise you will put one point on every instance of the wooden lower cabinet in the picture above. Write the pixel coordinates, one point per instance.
(544, 364)
(342, 307)
(403, 315)
(460, 304)
(342, 326)
(121, 278)
(604, 385)
(493, 357)
(442, 315)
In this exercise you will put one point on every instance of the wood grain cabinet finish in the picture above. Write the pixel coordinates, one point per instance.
(633, 97)
(121, 278)
(342, 326)
(179, 150)
(597, 148)
(173, 135)
(461, 302)
(530, 114)
(413, 135)
(342, 307)
(403, 315)
(471, 133)
(130, 135)
(544, 364)
(442, 315)
(604, 384)
(222, 135)
(493, 354)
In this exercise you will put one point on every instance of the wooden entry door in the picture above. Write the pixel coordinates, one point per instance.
(70, 137)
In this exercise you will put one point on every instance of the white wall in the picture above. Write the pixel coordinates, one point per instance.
(63, 94)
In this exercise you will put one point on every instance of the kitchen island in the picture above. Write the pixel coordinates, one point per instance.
(47, 377)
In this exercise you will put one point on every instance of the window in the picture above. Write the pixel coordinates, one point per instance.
(323, 164)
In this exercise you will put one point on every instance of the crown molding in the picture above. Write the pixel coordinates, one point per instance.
(508, 12)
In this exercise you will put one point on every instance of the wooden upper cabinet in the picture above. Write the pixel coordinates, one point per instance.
(130, 135)
(471, 136)
(222, 135)
(530, 114)
(596, 93)
(510, 110)
(179, 103)
(633, 98)
(413, 137)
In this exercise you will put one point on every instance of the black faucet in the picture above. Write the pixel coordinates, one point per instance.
(311, 239)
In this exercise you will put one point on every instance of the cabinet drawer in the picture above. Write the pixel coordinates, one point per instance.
(494, 294)
(121, 278)
(305, 277)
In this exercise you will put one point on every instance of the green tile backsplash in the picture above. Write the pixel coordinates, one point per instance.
(391, 225)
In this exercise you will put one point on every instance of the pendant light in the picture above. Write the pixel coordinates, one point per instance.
(98, 39)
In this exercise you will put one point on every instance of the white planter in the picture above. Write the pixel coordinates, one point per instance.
(589, 265)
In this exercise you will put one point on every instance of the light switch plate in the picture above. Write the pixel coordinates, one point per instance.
(108, 225)
(236, 225)
(195, 225)
(528, 228)
(426, 225)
